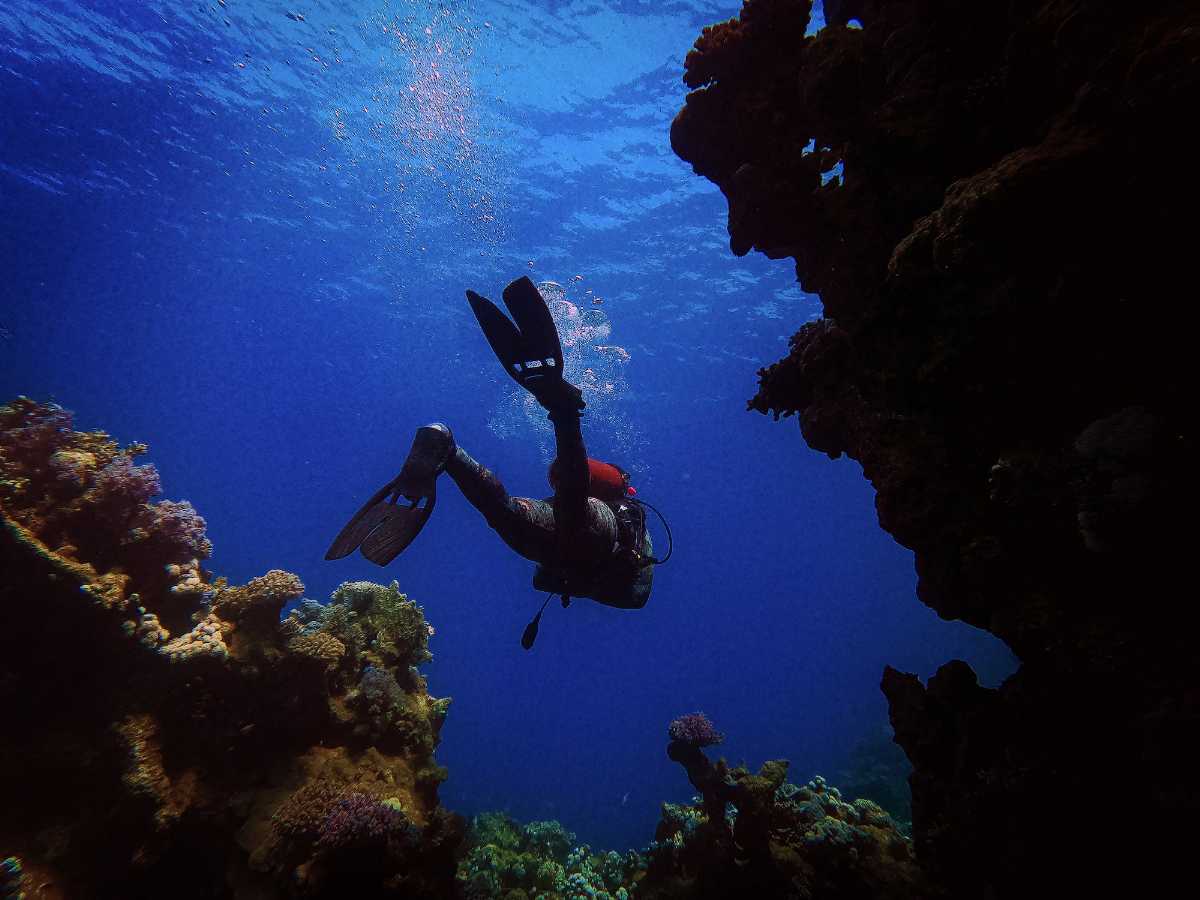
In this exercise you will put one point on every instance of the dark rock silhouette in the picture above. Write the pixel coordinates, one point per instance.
(996, 204)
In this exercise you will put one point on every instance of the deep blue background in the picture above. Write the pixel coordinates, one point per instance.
(244, 240)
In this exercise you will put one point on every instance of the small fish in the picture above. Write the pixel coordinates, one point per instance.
(5, 334)
(625, 798)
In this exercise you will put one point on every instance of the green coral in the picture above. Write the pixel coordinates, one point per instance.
(375, 625)
(394, 626)
(538, 860)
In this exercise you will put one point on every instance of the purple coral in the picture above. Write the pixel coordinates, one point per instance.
(122, 485)
(178, 527)
(35, 428)
(359, 820)
(695, 730)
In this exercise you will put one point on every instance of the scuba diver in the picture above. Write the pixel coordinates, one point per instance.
(589, 539)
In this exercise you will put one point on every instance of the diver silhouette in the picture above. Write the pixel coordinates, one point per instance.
(589, 540)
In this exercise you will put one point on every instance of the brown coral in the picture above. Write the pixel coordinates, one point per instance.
(320, 646)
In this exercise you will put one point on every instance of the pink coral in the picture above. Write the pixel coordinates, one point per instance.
(177, 528)
(359, 820)
(695, 730)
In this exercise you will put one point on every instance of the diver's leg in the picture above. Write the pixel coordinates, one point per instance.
(531, 527)
(525, 525)
(571, 506)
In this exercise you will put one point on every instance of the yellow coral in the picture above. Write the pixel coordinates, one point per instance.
(145, 775)
(73, 465)
(206, 639)
(274, 589)
(188, 580)
(319, 645)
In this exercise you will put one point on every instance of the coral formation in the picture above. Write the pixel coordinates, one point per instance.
(756, 835)
(1003, 361)
(540, 861)
(695, 729)
(160, 721)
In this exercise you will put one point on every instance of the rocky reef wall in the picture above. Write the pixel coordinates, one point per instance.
(165, 734)
(996, 205)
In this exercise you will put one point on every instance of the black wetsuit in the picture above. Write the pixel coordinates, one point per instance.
(585, 547)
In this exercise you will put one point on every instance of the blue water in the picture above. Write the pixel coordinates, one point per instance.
(244, 239)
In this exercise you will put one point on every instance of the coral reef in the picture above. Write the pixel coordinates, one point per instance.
(756, 835)
(540, 861)
(161, 722)
(977, 193)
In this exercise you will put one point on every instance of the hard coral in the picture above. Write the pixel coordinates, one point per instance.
(268, 593)
(540, 859)
(80, 493)
(300, 817)
(169, 707)
(320, 646)
(394, 625)
(757, 835)
(359, 820)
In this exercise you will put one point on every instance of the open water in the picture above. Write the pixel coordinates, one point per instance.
(241, 231)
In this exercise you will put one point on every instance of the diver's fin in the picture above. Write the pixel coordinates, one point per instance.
(501, 334)
(533, 319)
(397, 531)
(364, 522)
(384, 527)
(530, 350)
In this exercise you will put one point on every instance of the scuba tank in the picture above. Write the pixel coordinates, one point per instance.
(624, 579)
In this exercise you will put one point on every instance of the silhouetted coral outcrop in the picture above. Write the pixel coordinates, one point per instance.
(996, 204)
(165, 733)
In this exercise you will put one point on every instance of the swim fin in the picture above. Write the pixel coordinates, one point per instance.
(383, 528)
(529, 350)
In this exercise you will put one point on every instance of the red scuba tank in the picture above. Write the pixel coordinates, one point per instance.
(607, 482)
